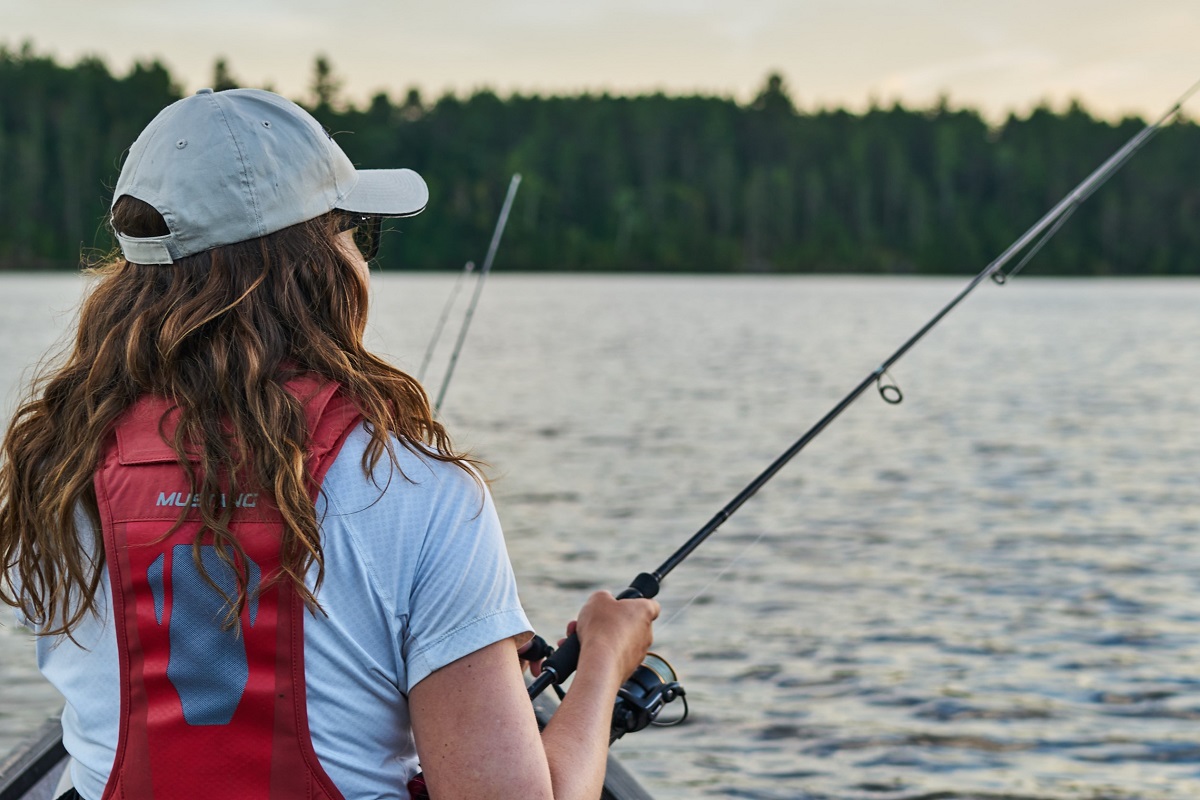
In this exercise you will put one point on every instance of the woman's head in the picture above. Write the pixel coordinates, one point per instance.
(228, 167)
(234, 213)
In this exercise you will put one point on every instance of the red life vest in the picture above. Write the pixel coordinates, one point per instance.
(207, 711)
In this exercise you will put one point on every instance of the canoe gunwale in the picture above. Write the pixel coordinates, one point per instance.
(32, 761)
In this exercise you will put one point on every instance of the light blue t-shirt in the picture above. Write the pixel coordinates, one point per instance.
(416, 576)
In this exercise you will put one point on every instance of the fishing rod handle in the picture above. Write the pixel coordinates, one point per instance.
(559, 666)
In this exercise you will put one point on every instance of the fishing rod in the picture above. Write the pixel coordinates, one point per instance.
(468, 268)
(637, 706)
(501, 222)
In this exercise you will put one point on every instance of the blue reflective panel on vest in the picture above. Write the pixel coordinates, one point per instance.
(154, 576)
(207, 665)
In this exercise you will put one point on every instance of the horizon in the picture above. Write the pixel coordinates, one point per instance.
(396, 95)
(1115, 60)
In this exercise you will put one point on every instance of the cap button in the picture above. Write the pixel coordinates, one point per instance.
(205, 91)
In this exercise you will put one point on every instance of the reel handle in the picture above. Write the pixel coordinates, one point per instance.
(559, 666)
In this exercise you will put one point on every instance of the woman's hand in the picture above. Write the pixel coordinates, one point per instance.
(615, 632)
(632, 627)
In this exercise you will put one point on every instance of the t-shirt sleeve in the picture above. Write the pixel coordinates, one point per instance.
(464, 594)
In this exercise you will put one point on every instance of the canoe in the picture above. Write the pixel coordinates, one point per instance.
(32, 770)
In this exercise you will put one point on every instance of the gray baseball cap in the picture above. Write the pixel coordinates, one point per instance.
(224, 167)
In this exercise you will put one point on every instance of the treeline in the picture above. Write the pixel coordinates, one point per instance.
(648, 182)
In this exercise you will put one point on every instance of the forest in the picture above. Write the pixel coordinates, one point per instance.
(645, 183)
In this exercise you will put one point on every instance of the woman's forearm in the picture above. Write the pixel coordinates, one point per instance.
(576, 738)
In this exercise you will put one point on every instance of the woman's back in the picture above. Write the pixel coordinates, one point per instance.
(409, 573)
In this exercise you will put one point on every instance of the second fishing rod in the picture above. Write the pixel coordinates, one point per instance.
(501, 223)
(647, 700)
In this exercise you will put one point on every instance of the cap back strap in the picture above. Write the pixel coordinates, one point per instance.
(150, 250)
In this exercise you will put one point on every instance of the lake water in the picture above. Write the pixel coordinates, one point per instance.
(991, 590)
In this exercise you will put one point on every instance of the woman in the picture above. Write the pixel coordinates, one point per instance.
(258, 567)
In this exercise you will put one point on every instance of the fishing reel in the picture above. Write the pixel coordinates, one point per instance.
(641, 698)
(647, 692)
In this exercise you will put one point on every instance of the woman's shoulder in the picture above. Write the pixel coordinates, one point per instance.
(415, 473)
(407, 514)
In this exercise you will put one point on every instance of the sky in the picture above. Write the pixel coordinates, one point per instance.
(997, 56)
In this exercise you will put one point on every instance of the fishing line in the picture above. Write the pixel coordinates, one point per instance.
(647, 584)
(661, 626)
(487, 267)
(441, 323)
(1090, 184)
(1001, 278)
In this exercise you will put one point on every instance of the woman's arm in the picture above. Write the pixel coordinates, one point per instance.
(475, 729)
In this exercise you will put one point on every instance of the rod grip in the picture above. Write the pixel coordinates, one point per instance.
(559, 666)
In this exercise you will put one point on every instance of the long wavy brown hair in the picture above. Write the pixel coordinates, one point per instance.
(218, 334)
